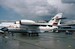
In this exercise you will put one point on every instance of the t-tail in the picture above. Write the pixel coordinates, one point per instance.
(56, 20)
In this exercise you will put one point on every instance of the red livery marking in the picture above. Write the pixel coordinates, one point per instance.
(55, 24)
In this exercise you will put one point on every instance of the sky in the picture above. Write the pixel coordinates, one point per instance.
(36, 9)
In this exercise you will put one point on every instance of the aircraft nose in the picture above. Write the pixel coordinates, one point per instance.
(4, 29)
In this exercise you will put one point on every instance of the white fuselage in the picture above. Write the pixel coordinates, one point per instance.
(17, 27)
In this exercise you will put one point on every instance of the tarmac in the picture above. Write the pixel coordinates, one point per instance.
(43, 41)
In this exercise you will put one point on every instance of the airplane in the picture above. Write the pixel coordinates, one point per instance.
(30, 26)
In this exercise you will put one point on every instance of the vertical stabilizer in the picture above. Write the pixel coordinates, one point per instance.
(55, 20)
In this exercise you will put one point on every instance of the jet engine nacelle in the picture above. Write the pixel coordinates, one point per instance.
(25, 22)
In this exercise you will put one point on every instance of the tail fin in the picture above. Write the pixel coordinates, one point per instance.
(56, 20)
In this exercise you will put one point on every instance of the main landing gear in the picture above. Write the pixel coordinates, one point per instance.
(33, 34)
